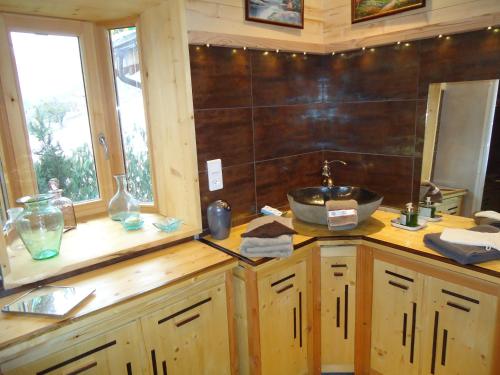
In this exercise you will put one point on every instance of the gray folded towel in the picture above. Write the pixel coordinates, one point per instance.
(463, 254)
(277, 247)
(341, 214)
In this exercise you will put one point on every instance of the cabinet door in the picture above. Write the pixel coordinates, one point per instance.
(338, 294)
(191, 336)
(395, 309)
(459, 329)
(116, 352)
(283, 320)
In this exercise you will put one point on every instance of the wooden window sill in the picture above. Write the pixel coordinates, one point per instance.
(94, 241)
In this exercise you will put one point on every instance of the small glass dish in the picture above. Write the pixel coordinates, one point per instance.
(170, 224)
(132, 222)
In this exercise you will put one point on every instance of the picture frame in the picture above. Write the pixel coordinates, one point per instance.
(364, 10)
(289, 13)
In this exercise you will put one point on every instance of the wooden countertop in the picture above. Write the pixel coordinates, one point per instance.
(376, 230)
(94, 241)
(118, 283)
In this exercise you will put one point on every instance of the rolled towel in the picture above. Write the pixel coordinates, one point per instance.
(471, 238)
(463, 254)
(341, 214)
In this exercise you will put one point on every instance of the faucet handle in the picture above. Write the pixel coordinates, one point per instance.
(326, 162)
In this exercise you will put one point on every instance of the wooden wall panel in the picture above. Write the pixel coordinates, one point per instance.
(437, 17)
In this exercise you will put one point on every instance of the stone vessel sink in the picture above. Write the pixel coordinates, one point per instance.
(308, 204)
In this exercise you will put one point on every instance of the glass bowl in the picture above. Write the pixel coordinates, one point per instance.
(170, 224)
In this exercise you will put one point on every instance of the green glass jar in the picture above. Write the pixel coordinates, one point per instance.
(40, 226)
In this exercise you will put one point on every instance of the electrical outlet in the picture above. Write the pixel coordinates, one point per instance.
(214, 168)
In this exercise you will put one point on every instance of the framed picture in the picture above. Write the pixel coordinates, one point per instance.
(363, 10)
(276, 12)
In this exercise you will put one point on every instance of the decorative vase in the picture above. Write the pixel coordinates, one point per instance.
(63, 203)
(123, 203)
(12, 239)
(219, 219)
(40, 226)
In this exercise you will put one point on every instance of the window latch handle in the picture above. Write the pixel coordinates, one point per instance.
(104, 143)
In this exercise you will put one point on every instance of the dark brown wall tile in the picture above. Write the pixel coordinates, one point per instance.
(372, 127)
(390, 176)
(220, 78)
(389, 72)
(224, 134)
(274, 178)
(280, 78)
(238, 191)
(463, 57)
(420, 127)
(288, 130)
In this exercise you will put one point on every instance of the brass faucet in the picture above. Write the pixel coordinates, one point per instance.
(327, 173)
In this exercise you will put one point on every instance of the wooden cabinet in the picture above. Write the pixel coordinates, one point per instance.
(459, 334)
(283, 321)
(184, 329)
(426, 321)
(395, 309)
(191, 336)
(277, 315)
(338, 304)
(116, 352)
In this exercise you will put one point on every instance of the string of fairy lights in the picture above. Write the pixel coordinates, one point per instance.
(265, 52)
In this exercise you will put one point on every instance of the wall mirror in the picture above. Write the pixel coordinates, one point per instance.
(461, 152)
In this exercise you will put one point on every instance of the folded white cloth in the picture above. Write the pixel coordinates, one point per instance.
(472, 238)
(488, 214)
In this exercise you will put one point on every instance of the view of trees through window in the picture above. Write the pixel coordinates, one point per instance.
(51, 81)
(50, 77)
(131, 111)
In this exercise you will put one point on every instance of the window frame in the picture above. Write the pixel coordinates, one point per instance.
(98, 77)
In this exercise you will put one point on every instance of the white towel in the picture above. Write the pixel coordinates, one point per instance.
(472, 238)
(488, 214)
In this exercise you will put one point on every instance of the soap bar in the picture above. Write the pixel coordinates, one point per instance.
(268, 210)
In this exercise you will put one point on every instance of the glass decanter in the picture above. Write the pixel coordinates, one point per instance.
(123, 203)
(12, 239)
(40, 226)
(63, 203)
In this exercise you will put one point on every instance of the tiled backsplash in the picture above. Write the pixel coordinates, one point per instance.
(272, 118)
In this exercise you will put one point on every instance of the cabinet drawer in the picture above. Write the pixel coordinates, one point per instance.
(450, 206)
(115, 352)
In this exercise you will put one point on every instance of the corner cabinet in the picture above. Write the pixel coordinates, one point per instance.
(338, 304)
(427, 320)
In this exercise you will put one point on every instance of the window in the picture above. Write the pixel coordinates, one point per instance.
(68, 86)
(51, 82)
(130, 107)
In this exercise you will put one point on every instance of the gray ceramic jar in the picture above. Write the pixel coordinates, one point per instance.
(219, 219)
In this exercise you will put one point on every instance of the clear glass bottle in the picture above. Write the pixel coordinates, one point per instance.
(63, 203)
(40, 226)
(123, 203)
(12, 239)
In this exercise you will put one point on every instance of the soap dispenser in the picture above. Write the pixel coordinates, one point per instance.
(427, 209)
(409, 216)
